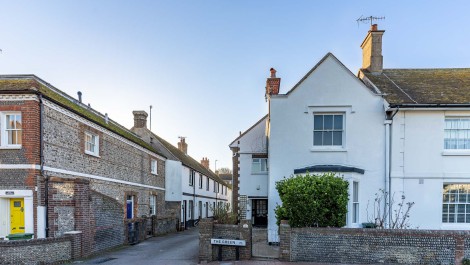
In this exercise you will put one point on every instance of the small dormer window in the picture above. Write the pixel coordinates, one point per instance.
(92, 145)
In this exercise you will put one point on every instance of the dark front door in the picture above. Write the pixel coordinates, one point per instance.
(260, 212)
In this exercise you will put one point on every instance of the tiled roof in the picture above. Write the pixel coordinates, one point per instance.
(423, 86)
(33, 84)
(188, 160)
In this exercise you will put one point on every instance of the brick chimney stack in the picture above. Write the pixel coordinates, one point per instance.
(372, 58)
(205, 162)
(182, 145)
(272, 84)
(140, 119)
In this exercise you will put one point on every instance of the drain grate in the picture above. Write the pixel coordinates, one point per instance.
(103, 260)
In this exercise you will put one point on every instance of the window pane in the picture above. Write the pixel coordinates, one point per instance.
(462, 197)
(19, 135)
(460, 218)
(445, 198)
(355, 191)
(10, 121)
(451, 208)
(461, 208)
(338, 122)
(327, 138)
(317, 138)
(451, 218)
(337, 138)
(445, 208)
(318, 122)
(445, 218)
(328, 122)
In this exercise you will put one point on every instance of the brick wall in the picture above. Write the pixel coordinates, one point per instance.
(69, 209)
(209, 229)
(24, 179)
(36, 251)
(371, 246)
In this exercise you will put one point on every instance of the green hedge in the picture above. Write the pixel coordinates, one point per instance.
(313, 200)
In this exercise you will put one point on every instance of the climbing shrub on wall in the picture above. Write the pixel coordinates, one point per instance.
(317, 200)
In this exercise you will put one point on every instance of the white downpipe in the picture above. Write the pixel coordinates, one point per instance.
(387, 184)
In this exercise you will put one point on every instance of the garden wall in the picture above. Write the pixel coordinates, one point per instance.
(41, 251)
(209, 229)
(371, 246)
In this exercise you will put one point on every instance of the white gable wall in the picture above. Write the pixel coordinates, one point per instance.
(330, 88)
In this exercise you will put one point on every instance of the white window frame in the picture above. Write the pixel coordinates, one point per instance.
(259, 163)
(207, 183)
(4, 131)
(200, 181)
(154, 166)
(342, 130)
(355, 203)
(460, 133)
(96, 144)
(153, 204)
(191, 178)
(457, 197)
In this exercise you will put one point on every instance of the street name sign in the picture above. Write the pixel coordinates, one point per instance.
(228, 242)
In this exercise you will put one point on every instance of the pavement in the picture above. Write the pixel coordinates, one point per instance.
(176, 248)
(268, 262)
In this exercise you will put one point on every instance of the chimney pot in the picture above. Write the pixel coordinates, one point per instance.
(373, 27)
(140, 118)
(79, 96)
(273, 72)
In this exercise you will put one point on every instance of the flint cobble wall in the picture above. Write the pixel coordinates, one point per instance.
(209, 229)
(36, 251)
(372, 246)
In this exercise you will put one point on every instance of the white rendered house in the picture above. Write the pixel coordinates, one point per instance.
(405, 131)
(428, 112)
(252, 155)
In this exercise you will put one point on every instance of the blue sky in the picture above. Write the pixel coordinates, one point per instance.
(203, 64)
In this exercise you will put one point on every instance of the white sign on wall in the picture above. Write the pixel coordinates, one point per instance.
(228, 242)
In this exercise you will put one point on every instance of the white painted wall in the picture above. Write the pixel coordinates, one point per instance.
(418, 156)
(196, 193)
(173, 178)
(331, 88)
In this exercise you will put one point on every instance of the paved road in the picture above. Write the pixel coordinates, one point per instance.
(178, 248)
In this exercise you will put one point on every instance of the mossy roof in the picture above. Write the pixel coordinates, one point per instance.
(189, 161)
(33, 84)
(423, 86)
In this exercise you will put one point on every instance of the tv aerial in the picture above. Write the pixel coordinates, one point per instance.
(367, 19)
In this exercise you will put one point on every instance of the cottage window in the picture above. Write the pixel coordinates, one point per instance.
(328, 129)
(457, 133)
(207, 183)
(200, 181)
(191, 178)
(153, 205)
(259, 165)
(11, 130)
(91, 144)
(154, 167)
(456, 203)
